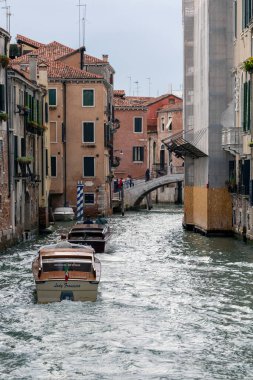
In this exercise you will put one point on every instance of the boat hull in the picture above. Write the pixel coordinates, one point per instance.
(63, 217)
(59, 290)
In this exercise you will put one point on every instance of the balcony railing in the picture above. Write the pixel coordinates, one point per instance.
(232, 140)
(186, 143)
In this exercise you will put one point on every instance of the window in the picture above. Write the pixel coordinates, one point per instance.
(38, 113)
(53, 166)
(138, 153)
(162, 124)
(52, 97)
(1, 150)
(138, 124)
(235, 18)
(2, 97)
(46, 162)
(20, 97)
(88, 98)
(14, 98)
(171, 101)
(46, 112)
(88, 132)
(89, 198)
(169, 124)
(247, 12)
(88, 166)
(53, 131)
(246, 106)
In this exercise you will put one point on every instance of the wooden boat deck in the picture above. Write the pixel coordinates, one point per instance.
(72, 275)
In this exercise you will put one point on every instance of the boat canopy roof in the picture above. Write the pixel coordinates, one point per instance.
(82, 227)
(64, 209)
(65, 246)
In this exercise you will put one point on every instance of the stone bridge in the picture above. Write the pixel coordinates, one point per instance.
(134, 195)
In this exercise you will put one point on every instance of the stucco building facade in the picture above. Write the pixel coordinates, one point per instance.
(80, 89)
(208, 95)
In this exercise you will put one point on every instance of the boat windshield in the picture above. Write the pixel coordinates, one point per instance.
(66, 265)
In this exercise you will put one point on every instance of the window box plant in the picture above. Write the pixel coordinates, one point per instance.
(3, 116)
(24, 159)
(4, 60)
(248, 65)
(24, 109)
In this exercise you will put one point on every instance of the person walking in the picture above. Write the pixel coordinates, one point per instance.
(147, 175)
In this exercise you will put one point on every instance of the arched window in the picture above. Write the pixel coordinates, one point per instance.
(154, 152)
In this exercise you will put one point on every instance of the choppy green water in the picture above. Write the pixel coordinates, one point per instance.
(171, 305)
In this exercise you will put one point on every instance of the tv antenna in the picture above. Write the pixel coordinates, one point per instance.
(8, 15)
(79, 5)
(130, 85)
(149, 85)
(137, 87)
(84, 23)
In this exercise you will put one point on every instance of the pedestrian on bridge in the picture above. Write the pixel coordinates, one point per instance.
(147, 175)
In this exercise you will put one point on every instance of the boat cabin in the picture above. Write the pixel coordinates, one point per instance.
(75, 262)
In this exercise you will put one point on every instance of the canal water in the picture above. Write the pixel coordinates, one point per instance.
(171, 305)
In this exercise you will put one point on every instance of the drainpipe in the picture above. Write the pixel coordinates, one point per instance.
(9, 140)
(64, 128)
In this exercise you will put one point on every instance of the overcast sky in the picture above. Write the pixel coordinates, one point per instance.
(143, 38)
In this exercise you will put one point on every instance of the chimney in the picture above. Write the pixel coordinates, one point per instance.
(33, 61)
(105, 57)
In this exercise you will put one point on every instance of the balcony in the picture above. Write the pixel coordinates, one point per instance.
(232, 140)
(185, 144)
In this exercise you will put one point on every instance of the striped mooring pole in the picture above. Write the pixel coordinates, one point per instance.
(79, 212)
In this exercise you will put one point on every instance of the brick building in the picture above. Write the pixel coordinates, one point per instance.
(80, 91)
(130, 142)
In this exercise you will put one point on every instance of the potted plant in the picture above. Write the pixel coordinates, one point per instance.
(24, 159)
(33, 124)
(4, 60)
(248, 65)
(231, 185)
(23, 162)
(23, 110)
(3, 116)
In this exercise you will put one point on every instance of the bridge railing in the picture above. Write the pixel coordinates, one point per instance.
(138, 181)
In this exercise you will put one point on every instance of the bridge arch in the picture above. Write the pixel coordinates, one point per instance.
(134, 195)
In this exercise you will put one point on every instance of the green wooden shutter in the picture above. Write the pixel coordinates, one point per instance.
(142, 153)
(244, 106)
(88, 166)
(249, 105)
(52, 96)
(2, 97)
(88, 132)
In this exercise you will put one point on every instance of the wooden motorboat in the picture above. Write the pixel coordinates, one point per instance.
(95, 235)
(63, 214)
(66, 271)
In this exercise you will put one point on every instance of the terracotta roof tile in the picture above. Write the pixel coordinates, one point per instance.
(131, 101)
(120, 93)
(28, 41)
(52, 51)
(58, 70)
(172, 107)
(157, 99)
